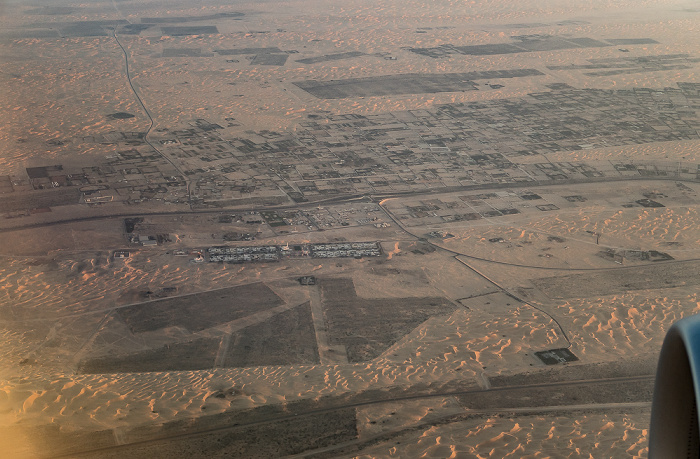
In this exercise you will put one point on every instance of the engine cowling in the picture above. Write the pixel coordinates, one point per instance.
(674, 431)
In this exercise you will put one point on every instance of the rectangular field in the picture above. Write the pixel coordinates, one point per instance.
(408, 83)
(200, 310)
(620, 280)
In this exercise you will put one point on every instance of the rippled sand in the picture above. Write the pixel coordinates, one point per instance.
(618, 326)
(52, 305)
(614, 434)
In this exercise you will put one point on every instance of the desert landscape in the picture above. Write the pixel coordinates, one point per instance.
(320, 229)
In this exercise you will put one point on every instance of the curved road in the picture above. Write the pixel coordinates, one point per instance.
(150, 118)
(456, 256)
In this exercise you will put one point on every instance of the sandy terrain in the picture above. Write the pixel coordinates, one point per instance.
(472, 300)
(175, 93)
(581, 435)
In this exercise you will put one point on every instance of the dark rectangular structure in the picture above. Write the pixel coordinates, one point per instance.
(242, 51)
(527, 44)
(43, 171)
(632, 41)
(555, 356)
(331, 57)
(269, 59)
(181, 19)
(179, 31)
(408, 83)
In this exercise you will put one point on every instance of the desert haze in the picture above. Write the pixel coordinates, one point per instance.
(343, 229)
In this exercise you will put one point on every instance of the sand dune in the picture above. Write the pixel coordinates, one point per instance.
(55, 300)
(670, 230)
(617, 326)
(614, 434)
(439, 350)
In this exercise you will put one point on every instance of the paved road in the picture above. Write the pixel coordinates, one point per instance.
(328, 201)
(356, 444)
(632, 381)
(150, 119)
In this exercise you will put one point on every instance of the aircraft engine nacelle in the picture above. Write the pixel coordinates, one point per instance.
(674, 413)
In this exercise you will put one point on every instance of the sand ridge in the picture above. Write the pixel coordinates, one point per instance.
(528, 436)
(61, 290)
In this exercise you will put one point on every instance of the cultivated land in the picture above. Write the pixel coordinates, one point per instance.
(378, 229)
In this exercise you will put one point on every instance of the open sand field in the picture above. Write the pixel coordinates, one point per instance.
(432, 199)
